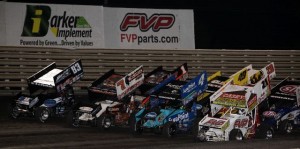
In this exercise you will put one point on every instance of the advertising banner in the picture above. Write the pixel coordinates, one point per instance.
(52, 25)
(132, 28)
(2, 23)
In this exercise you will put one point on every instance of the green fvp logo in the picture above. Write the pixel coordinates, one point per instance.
(38, 20)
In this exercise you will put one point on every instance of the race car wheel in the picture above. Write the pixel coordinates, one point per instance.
(200, 136)
(72, 119)
(236, 134)
(135, 126)
(103, 122)
(265, 131)
(14, 112)
(157, 130)
(42, 114)
(286, 127)
(196, 133)
(169, 129)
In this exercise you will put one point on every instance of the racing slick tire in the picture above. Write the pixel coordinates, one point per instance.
(285, 127)
(169, 129)
(104, 122)
(71, 120)
(13, 112)
(264, 131)
(236, 134)
(42, 114)
(157, 130)
(198, 135)
(135, 126)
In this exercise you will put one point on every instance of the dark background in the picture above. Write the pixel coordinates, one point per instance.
(227, 24)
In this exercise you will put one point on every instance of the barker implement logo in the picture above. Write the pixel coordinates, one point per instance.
(155, 22)
(38, 20)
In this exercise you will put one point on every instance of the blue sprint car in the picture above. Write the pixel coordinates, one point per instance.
(177, 108)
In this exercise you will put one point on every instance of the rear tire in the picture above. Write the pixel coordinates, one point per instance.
(42, 114)
(236, 134)
(169, 129)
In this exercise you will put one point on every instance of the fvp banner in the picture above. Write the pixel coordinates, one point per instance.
(149, 28)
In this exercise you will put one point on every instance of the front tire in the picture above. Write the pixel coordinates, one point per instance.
(169, 129)
(200, 136)
(104, 122)
(286, 127)
(135, 126)
(14, 112)
(42, 114)
(72, 120)
(236, 134)
(265, 131)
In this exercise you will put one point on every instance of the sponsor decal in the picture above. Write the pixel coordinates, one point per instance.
(189, 88)
(175, 87)
(252, 102)
(195, 86)
(179, 117)
(141, 20)
(269, 114)
(241, 78)
(270, 68)
(233, 96)
(289, 89)
(130, 82)
(256, 77)
(229, 99)
(39, 20)
(150, 115)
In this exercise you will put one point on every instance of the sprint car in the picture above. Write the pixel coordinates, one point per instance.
(109, 93)
(234, 107)
(179, 111)
(283, 107)
(51, 93)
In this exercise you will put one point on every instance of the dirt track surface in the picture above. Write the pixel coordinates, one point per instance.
(29, 133)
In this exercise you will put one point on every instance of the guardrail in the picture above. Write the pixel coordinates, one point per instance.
(16, 63)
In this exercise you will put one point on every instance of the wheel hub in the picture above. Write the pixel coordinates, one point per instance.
(107, 123)
(44, 115)
(239, 136)
(289, 128)
(269, 134)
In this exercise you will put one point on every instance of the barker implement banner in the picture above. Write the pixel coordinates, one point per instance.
(149, 28)
(50, 25)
